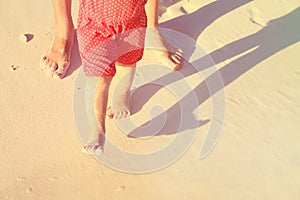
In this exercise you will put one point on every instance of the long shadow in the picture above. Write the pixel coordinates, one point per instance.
(276, 36)
(204, 16)
(163, 5)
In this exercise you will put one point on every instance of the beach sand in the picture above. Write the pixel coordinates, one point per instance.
(254, 46)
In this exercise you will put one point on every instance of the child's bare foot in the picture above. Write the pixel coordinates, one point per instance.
(121, 92)
(95, 142)
(57, 59)
(120, 108)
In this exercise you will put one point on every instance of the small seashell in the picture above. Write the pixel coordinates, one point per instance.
(21, 178)
(14, 67)
(24, 38)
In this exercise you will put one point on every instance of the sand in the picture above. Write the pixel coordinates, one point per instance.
(255, 47)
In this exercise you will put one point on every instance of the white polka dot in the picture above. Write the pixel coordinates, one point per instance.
(99, 20)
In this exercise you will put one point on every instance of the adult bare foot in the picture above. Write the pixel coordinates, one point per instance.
(172, 60)
(165, 52)
(57, 59)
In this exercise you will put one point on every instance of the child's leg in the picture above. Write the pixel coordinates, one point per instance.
(56, 61)
(100, 100)
(100, 106)
(121, 91)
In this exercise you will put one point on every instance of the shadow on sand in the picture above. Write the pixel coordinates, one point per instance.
(277, 35)
(75, 57)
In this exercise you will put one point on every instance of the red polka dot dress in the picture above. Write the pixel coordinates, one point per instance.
(110, 31)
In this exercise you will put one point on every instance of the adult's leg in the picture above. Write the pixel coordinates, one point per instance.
(57, 59)
(170, 59)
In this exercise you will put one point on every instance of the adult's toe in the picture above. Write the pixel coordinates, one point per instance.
(176, 58)
(51, 67)
(61, 71)
(170, 63)
(43, 63)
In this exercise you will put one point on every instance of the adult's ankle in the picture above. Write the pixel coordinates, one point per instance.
(64, 30)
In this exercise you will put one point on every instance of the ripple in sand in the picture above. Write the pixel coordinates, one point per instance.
(53, 178)
(21, 178)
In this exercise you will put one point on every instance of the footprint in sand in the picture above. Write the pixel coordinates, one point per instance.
(21, 178)
(28, 190)
(53, 178)
(121, 188)
(100, 173)
(256, 17)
